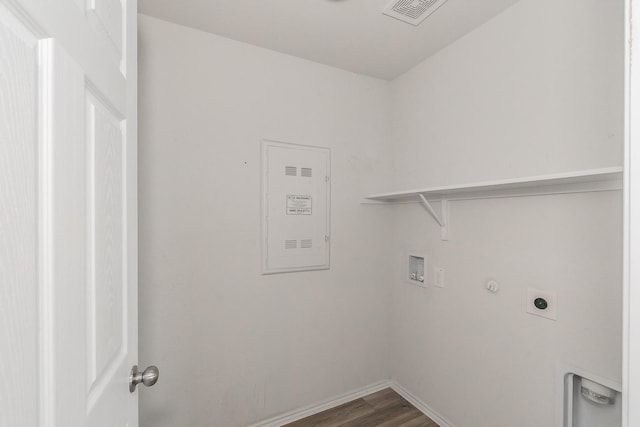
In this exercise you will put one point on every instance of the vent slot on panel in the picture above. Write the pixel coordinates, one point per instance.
(291, 171)
(306, 244)
(412, 11)
(306, 172)
(290, 244)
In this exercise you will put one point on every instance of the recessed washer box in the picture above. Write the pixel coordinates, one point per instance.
(416, 267)
(295, 207)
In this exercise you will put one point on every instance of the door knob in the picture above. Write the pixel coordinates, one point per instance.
(148, 377)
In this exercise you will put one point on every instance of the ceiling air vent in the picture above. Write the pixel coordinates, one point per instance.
(412, 11)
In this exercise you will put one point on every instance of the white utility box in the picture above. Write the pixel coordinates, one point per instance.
(295, 207)
(416, 269)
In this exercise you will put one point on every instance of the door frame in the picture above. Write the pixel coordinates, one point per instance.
(631, 237)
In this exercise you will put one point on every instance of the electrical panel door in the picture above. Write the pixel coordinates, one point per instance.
(295, 206)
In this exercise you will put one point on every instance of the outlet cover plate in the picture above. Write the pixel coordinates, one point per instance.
(552, 303)
(438, 276)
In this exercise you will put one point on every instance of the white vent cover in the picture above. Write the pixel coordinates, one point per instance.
(290, 244)
(412, 11)
(291, 171)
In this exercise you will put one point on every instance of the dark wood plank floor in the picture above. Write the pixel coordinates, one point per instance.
(385, 408)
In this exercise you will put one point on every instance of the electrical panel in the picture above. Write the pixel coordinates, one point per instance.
(295, 207)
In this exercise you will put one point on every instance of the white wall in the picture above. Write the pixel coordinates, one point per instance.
(536, 90)
(235, 347)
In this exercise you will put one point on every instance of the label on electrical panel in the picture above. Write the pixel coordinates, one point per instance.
(298, 205)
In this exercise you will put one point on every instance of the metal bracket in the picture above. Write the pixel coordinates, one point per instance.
(442, 219)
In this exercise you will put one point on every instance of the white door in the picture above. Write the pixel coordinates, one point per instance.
(68, 235)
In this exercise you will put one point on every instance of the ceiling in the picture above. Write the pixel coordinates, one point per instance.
(350, 34)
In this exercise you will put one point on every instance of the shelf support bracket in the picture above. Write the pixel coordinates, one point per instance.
(444, 216)
(429, 208)
(442, 219)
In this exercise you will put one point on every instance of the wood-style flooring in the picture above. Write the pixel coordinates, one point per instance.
(385, 408)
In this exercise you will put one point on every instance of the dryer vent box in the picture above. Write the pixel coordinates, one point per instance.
(295, 207)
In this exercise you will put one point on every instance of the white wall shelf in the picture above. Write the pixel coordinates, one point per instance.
(604, 179)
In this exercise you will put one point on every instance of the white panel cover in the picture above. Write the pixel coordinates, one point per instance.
(295, 207)
(107, 281)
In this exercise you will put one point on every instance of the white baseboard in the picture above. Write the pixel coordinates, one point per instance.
(298, 414)
(307, 411)
(423, 407)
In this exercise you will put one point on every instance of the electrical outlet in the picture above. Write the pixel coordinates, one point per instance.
(542, 303)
